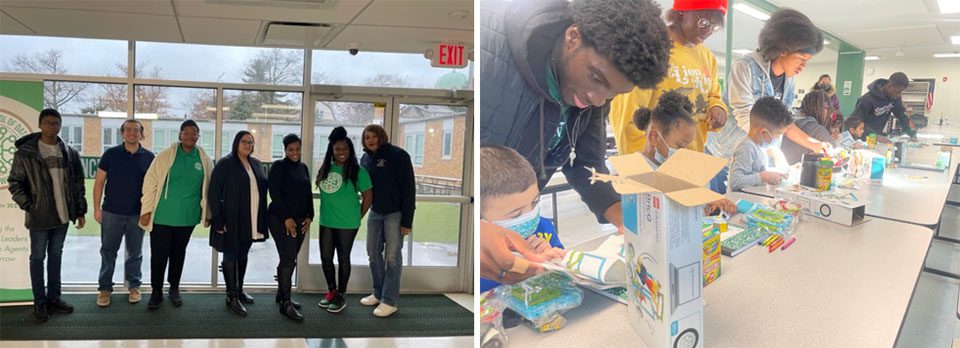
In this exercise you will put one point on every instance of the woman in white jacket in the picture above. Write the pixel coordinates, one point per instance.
(173, 203)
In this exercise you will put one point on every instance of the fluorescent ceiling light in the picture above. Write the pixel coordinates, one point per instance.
(871, 58)
(947, 6)
(955, 39)
(826, 42)
(752, 11)
(946, 55)
(742, 51)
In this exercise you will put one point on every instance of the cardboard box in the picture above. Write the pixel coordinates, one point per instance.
(662, 216)
(824, 207)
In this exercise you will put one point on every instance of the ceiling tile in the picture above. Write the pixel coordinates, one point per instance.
(101, 25)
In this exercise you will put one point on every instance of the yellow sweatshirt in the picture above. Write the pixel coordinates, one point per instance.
(694, 72)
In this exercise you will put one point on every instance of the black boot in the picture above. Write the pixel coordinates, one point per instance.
(242, 270)
(40, 312)
(286, 306)
(174, 295)
(156, 297)
(230, 278)
(289, 280)
(296, 304)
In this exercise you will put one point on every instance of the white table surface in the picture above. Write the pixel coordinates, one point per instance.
(835, 286)
(898, 198)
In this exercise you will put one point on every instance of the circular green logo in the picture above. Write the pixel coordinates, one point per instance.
(12, 127)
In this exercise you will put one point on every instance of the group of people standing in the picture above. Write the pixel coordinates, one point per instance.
(170, 193)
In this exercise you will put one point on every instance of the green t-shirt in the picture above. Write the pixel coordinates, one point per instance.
(340, 201)
(180, 200)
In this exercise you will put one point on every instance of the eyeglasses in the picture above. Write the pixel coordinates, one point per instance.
(246, 142)
(707, 26)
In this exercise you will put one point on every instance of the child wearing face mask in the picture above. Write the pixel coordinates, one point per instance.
(510, 197)
(670, 126)
(769, 118)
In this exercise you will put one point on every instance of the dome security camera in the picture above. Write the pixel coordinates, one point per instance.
(353, 47)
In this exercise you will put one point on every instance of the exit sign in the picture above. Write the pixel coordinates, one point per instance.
(449, 55)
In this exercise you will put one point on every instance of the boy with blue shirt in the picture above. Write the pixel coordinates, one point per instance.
(510, 197)
(121, 171)
(769, 118)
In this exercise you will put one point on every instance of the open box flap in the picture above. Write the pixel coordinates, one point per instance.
(693, 167)
(630, 165)
(694, 196)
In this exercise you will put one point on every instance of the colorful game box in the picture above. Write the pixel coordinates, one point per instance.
(711, 253)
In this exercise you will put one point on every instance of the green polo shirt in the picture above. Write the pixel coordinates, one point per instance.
(340, 200)
(180, 200)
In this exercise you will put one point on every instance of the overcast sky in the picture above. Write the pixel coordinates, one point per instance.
(207, 63)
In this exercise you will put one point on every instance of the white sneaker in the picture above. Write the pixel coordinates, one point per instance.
(384, 310)
(370, 300)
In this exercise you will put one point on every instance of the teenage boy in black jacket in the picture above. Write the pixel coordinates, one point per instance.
(881, 100)
(549, 70)
(46, 181)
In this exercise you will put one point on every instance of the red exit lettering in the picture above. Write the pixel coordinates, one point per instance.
(450, 55)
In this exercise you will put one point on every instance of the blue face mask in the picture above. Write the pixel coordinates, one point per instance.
(774, 141)
(657, 157)
(525, 224)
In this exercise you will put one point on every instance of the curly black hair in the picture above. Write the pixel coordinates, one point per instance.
(630, 32)
(789, 31)
(813, 104)
(351, 168)
(672, 108)
(770, 112)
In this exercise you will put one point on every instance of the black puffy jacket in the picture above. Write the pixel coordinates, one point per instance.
(31, 185)
(516, 110)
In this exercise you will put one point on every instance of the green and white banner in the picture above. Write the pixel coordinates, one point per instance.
(20, 103)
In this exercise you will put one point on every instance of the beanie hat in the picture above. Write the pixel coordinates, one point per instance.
(696, 5)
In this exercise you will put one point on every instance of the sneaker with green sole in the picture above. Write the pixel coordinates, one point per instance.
(337, 304)
(326, 300)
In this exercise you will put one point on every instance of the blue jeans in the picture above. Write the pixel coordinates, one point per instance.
(43, 243)
(114, 229)
(384, 246)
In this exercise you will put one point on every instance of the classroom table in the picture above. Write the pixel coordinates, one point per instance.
(900, 197)
(835, 286)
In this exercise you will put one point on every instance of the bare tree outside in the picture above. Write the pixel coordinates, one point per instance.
(113, 97)
(56, 94)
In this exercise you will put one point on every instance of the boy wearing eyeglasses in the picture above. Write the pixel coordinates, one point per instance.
(692, 71)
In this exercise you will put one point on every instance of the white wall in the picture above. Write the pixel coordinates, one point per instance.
(946, 98)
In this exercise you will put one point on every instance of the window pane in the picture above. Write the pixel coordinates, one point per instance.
(438, 171)
(377, 69)
(177, 61)
(436, 235)
(80, 266)
(447, 144)
(163, 109)
(353, 116)
(62, 56)
(84, 105)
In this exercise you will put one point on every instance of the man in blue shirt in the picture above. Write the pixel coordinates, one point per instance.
(121, 171)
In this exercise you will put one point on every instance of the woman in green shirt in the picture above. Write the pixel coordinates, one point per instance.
(342, 182)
